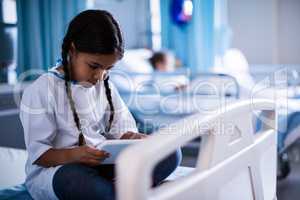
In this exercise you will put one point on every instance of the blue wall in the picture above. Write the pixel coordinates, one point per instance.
(134, 18)
(193, 43)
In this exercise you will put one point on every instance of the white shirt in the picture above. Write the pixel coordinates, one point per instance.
(48, 123)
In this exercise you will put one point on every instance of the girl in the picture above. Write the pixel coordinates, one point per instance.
(67, 112)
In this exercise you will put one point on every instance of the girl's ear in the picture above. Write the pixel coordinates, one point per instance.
(72, 50)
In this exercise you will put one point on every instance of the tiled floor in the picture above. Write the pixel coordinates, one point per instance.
(289, 188)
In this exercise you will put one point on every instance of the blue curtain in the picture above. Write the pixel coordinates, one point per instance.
(222, 29)
(193, 43)
(41, 27)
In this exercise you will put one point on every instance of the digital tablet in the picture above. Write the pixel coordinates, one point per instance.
(114, 147)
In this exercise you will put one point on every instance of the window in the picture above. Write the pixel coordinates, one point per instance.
(155, 24)
(8, 36)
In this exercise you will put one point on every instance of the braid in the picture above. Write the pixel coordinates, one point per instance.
(65, 49)
(109, 99)
(95, 32)
(120, 48)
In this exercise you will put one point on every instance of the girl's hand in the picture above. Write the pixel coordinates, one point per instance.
(133, 136)
(89, 155)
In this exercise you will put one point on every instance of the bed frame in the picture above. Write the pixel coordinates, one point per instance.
(234, 163)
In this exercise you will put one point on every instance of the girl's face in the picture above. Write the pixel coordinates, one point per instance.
(90, 68)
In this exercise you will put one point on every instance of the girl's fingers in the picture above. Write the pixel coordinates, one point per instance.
(97, 153)
(102, 157)
(93, 162)
(139, 136)
(131, 135)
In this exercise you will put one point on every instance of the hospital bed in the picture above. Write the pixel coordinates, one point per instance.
(235, 63)
(154, 105)
(232, 165)
(286, 80)
(164, 82)
(259, 72)
(151, 114)
(154, 108)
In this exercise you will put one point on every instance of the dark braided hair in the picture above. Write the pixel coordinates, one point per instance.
(91, 31)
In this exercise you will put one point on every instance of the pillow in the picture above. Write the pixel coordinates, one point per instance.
(135, 60)
(12, 167)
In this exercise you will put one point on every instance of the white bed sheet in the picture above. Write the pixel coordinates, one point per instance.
(12, 167)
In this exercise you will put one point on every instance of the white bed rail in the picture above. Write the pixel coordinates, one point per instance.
(234, 163)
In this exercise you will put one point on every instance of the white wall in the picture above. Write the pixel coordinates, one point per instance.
(267, 31)
(134, 18)
(289, 31)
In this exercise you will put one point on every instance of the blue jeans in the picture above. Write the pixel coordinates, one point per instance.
(78, 181)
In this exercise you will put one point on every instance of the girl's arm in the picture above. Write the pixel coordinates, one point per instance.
(40, 128)
(83, 154)
(132, 136)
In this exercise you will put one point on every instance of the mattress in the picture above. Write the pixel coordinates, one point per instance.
(12, 173)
